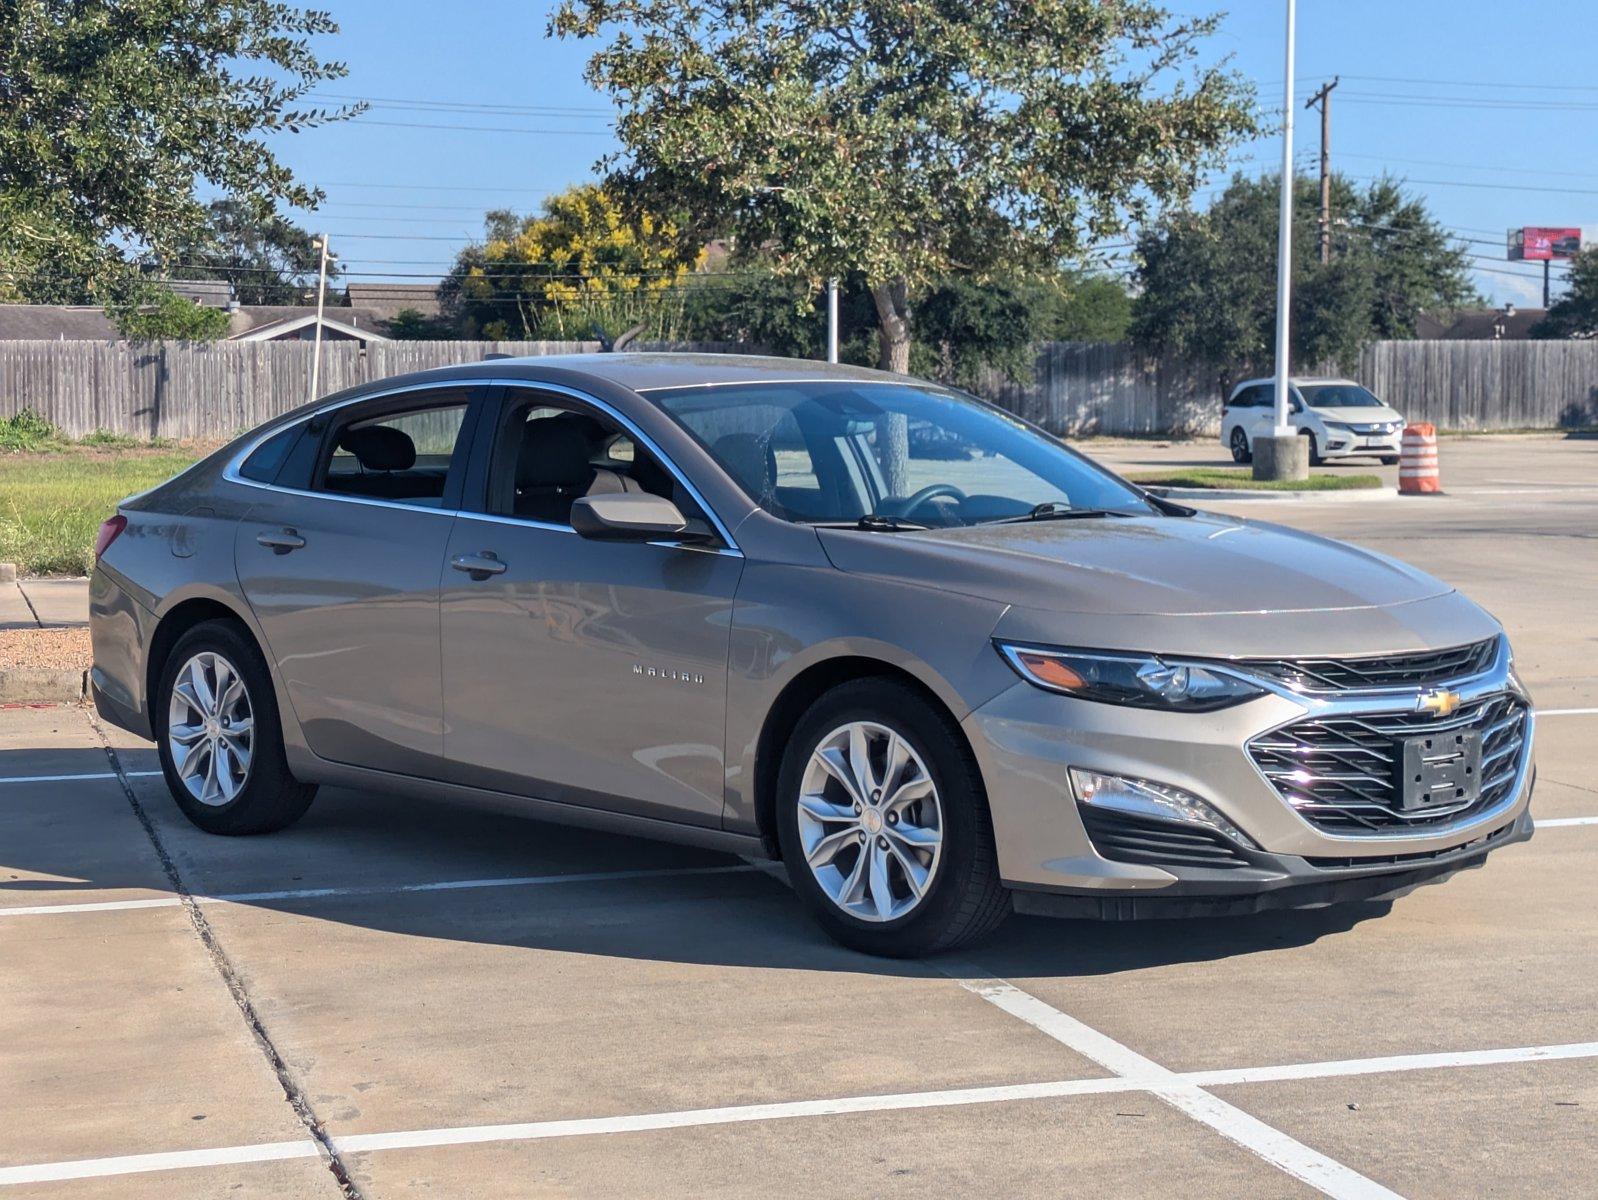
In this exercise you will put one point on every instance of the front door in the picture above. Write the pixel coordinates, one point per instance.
(585, 672)
(341, 568)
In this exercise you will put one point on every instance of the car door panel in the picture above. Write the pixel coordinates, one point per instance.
(587, 672)
(341, 612)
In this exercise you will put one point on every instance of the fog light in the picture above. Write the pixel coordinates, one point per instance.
(1145, 798)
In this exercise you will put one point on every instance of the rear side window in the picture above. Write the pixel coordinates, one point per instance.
(267, 459)
(403, 457)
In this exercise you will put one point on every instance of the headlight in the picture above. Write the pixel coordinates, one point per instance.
(1145, 798)
(1343, 425)
(1139, 680)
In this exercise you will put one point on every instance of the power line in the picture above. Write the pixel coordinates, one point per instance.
(469, 105)
(477, 128)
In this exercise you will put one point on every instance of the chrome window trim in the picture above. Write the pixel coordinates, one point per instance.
(231, 472)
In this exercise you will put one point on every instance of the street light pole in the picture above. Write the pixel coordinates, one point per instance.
(321, 296)
(832, 320)
(1284, 238)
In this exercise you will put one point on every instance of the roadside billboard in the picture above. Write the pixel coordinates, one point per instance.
(1540, 243)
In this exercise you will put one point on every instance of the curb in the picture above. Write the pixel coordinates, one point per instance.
(1349, 496)
(8, 572)
(36, 684)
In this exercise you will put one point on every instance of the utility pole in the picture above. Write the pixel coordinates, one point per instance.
(321, 294)
(832, 320)
(1324, 99)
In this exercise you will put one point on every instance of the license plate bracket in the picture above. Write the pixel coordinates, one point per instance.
(1438, 770)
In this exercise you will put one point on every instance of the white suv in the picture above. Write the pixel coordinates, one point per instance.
(1340, 418)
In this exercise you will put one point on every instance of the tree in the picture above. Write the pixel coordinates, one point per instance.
(411, 325)
(908, 140)
(266, 257)
(111, 114)
(150, 312)
(1207, 281)
(581, 266)
(1575, 314)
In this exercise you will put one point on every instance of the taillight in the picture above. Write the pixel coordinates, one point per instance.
(110, 530)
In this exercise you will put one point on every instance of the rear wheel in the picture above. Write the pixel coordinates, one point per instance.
(219, 738)
(884, 823)
(1239, 444)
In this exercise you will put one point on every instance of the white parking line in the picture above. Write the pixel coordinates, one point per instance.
(75, 778)
(1567, 712)
(1560, 822)
(1320, 1172)
(377, 889)
(134, 1164)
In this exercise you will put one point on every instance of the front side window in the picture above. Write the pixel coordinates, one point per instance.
(547, 456)
(1338, 395)
(404, 457)
(838, 452)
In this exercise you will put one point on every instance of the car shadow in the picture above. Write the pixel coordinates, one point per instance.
(72, 842)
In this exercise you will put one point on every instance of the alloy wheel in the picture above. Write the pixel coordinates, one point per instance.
(210, 730)
(1239, 446)
(870, 822)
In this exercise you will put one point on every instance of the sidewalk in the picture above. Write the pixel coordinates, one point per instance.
(44, 640)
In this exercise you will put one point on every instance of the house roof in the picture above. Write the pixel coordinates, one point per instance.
(1482, 325)
(391, 299)
(250, 322)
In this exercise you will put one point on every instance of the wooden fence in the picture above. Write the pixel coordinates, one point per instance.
(178, 390)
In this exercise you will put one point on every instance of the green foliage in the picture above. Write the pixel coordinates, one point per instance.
(113, 111)
(267, 258)
(27, 432)
(409, 325)
(908, 140)
(1229, 477)
(584, 265)
(52, 504)
(1208, 280)
(1575, 314)
(1082, 307)
(152, 313)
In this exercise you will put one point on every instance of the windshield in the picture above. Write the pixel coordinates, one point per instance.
(840, 452)
(1338, 395)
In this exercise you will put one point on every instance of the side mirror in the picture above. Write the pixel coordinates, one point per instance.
(627, 517)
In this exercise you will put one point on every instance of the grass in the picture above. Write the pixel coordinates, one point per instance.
(1242, 479)
(53, 499)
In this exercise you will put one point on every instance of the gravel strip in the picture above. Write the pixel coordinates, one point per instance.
(44, 649)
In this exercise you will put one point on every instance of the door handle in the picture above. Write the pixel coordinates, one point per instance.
(281, 542)
(478, 566)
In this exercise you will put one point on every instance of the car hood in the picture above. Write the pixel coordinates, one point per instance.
(1139, 566)
(1206, 584)
(1359, 416)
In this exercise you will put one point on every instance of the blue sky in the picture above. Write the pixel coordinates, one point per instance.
(1485, 107)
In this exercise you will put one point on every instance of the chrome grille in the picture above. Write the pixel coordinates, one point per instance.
(1341, 773)
(1378, 671)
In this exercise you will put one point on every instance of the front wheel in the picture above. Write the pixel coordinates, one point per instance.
(1315, 458)
(218, 735)
(1239, 444)
(884, 825)
(1389, 460)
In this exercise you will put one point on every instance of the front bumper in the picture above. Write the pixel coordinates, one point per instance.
(1339, 443)
(1026, 740)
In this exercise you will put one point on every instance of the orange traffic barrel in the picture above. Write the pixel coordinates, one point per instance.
(1417, 461)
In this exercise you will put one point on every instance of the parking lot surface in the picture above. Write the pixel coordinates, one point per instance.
(397, 999)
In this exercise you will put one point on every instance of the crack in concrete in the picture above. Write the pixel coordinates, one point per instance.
(292, 1091)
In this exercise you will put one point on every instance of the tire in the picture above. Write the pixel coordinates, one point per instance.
(235, 783)
(1315, 459)
(1389, 460)
(1239, 446)
(961, 898)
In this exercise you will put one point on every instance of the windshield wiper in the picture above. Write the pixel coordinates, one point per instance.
(1054, 510)
(871, 523)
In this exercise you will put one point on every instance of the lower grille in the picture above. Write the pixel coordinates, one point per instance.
(1120, 837)
(1342, 773)
(1420, 857)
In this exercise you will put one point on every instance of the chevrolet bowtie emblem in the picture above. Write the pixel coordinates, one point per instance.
(1440, 703)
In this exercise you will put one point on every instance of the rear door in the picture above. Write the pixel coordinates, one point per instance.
(339, 558)
(586, 672)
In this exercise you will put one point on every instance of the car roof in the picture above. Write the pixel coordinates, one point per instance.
(1301, 380)
(641, 372)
